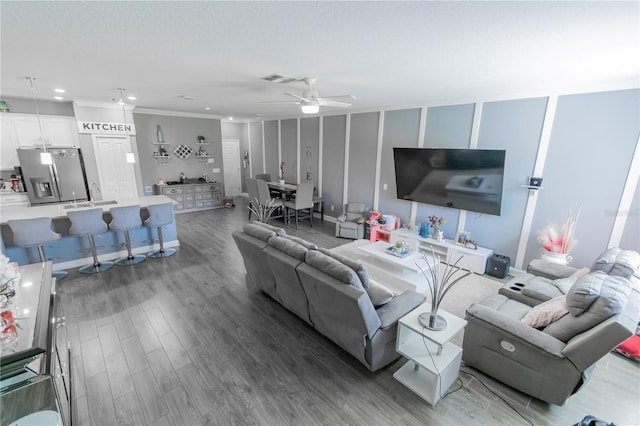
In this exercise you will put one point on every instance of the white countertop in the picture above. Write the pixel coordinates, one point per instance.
(58, 211)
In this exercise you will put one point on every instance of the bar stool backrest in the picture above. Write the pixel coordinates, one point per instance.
(32, 232)
(159, 214)
(125, 218)
(87, 222)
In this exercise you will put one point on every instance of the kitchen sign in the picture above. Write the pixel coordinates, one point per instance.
(106, 128)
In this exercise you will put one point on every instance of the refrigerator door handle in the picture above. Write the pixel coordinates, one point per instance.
(53, 171)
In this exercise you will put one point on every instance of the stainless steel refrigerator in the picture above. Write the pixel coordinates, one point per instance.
(63, 181)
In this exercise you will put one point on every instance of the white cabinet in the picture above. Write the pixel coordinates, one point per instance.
(56, 130)
(14, 199)
(472, 260)
(9, 145)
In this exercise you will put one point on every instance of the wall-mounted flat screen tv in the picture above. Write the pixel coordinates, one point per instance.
(467, 179)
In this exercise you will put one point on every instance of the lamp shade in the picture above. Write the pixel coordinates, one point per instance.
(309, 107)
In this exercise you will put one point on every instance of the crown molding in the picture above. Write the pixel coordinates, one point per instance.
(104, 105)
(179, 114)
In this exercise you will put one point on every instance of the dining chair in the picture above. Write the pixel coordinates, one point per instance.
(252, 189)
(264, 196)
(264, 176)
(302, 202)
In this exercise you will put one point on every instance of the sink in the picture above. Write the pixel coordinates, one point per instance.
(104, 203)
(87, 204)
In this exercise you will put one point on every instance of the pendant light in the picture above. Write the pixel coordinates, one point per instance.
(45, 157)
(130, 157)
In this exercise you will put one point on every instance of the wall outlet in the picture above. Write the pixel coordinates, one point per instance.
(384, 187)
(148, 189)
(333, 207)
(216, 170)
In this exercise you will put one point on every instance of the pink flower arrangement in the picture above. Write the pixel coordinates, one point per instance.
(282, 170)
(559, 239)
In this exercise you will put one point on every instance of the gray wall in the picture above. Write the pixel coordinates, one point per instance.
(590, 151)
(309, 149)
(334, 128)
(401, 129)
(178, 131)
(363, 143)
(289, 149)
(271, 148)
(45, 107)
(256, 148)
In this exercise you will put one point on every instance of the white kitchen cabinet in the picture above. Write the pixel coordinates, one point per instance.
(57, 130)
(9, 145)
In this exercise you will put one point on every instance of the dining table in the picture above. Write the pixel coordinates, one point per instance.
(285, 190)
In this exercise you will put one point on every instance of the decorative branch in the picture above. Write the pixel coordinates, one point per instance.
(263, 212)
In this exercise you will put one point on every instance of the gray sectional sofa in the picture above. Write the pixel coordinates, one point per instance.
(331, 293)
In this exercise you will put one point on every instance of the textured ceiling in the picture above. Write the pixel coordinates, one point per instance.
(384, 53)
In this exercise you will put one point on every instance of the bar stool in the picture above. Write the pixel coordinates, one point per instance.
(89, 223)
(160, 215)
(35, 232)
(127, 219)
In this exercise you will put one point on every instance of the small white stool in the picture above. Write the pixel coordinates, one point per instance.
(87, 223)
(160, 215)
(127, 219)
(35, 232)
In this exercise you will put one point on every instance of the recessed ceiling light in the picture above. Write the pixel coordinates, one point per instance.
(59, 90)
(58, 98)
(230, 118)
(207, 108)
(131, 98)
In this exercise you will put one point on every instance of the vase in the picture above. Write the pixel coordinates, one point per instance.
(424, 229)
(281, 181)
(557, 258)
(437, 233)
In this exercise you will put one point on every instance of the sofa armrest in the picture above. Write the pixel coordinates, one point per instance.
(398, 307)
(516, 329)
(360, 221)
(342, 218)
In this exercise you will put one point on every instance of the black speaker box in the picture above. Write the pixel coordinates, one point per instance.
(498, 266)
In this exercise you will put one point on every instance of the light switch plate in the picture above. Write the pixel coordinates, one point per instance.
(216, 170)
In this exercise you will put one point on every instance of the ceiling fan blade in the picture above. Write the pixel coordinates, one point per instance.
(336, 97)
(298, 97)
(323, 102)
(280, 102)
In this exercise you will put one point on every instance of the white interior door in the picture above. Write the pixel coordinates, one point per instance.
(231, 162)
(117, 178)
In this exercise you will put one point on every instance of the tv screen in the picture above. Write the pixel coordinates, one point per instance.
(468, 179)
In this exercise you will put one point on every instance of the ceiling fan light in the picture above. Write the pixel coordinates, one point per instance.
(309, 108)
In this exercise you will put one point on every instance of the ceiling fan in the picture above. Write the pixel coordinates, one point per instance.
(310, 101)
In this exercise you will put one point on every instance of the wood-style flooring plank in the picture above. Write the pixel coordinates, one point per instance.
(150, 398)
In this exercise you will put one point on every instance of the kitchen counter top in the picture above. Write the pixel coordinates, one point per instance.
(55, 211)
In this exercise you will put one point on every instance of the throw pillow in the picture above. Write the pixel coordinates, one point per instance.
(630, 348)
(546, 313)
(584, 292)
(379, 294)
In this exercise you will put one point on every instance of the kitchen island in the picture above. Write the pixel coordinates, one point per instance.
(72, 251)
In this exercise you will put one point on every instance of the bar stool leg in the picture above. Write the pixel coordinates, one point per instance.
(97, 265)
(163, 252)
(58, 275)
(131, 259)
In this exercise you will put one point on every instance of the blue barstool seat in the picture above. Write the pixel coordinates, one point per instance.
(35, 232)
(126, 219)
(160, 215)
(87, 223)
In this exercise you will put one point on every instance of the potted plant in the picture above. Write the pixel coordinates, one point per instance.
(282, 173)
(558, 241)
(200, 139)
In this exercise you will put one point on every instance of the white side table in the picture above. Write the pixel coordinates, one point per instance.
(429, 372)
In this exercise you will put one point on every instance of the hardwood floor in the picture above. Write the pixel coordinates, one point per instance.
(183, 341)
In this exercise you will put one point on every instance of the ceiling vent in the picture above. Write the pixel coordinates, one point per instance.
(279, 78)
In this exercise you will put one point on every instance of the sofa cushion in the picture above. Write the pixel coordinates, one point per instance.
(330, 266)
(546, 312)
(618, 262)
(306, 244)
(584, 292)
(540, 289)
(379, 294)
(564, 284)
(355, 265)
(258, 232)
(279, 231)
(289, 247)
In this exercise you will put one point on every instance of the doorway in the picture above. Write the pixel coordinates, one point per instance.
(117, 178)
(231, 164)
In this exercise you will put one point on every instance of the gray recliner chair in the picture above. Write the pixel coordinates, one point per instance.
(351, 223)
(553, 357)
